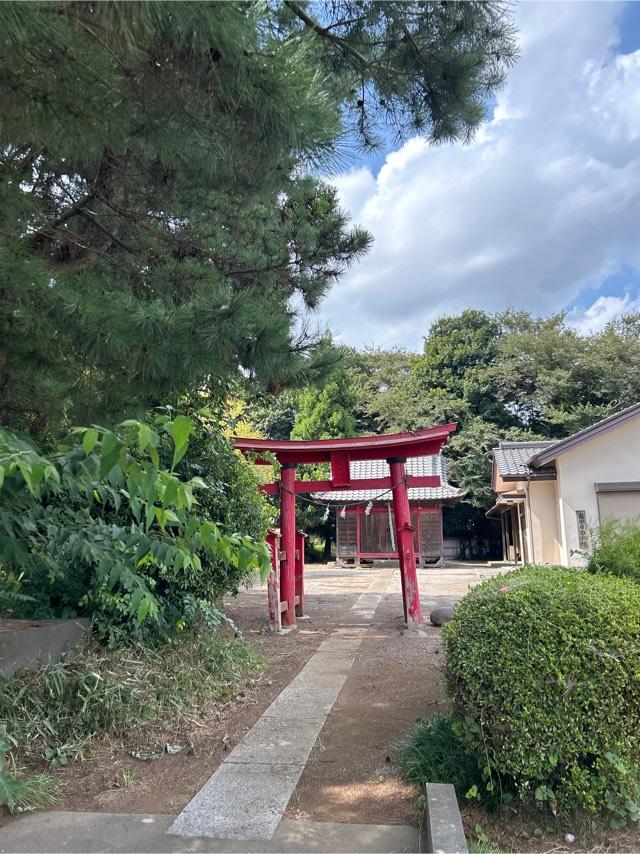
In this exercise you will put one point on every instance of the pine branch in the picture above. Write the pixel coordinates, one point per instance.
(325, 33)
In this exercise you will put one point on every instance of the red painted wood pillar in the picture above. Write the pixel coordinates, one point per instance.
(404, 538)
(288, 542)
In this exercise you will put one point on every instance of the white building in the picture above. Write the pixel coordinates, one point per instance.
(550, 494)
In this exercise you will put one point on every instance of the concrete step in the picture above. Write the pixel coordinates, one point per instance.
(92, 832)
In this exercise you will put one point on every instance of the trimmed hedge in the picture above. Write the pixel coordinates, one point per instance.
(543, 666)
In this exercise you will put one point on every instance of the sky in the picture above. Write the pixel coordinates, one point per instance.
(540, 212)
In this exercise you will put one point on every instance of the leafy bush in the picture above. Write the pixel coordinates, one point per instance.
(106, 527)
(616, 550)
(433, 753)
(56, 710)
(231, 498)
(542, 666)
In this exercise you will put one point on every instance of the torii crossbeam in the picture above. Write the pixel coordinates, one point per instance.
(394, 448)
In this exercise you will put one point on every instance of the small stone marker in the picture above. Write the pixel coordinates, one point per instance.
(445, 834)
(442, 615)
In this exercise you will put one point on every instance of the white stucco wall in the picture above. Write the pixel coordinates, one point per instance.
(544, 540)
(610, 457)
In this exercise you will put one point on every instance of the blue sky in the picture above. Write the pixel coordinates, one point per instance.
(540, 212)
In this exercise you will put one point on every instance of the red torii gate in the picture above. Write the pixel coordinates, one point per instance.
(394, 448)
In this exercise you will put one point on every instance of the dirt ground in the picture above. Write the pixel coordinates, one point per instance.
(395, 679)
(110, 780)
(349, 776)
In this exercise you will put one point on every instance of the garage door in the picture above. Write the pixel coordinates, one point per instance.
(624, 504)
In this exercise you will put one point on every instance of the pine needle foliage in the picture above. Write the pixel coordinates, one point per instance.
(158, 214)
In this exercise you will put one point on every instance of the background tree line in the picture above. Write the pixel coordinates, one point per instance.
(500, 376)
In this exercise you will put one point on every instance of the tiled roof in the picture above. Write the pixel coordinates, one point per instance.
(418, 466)
(512, 459)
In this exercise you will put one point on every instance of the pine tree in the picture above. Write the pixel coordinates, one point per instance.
(158, 215)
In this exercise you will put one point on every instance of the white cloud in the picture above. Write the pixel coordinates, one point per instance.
(603, 310)
(543, 203)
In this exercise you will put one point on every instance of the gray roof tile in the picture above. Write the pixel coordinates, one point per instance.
(512, 458)
(418, 466)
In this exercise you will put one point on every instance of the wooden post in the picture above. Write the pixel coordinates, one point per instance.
(288, 543)
(273, 582)
(300, 574)
(503, 531)
(404, 537)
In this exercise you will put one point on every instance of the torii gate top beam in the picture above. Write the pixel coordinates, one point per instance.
(417, 444)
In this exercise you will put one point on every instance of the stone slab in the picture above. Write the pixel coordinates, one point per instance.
(116, 833)
(328, 663)
(445, 833)
(305, 701)
(30, 643)
(274, 741)
(240, 801)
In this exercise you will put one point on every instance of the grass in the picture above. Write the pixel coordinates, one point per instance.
(476, 847)
(433, 753)
(24, 794)
(56, 711)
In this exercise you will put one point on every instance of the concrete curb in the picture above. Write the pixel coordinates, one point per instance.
(445, 834)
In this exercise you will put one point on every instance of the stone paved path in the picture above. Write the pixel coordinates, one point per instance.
(247, 796)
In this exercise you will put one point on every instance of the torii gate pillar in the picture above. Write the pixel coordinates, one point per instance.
(404, 537)
(288, 542)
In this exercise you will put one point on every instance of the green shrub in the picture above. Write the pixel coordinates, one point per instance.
(616, 550)
(56, 710)
(433, 753)
(116, 526)
(543, 669)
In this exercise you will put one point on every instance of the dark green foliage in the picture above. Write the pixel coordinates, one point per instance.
(470, 459)
(157, 217)
(58, 709)
(231, 498)
(106, 528)
(617, 550)
(433, 753)
(558, 381)
(161, 254)
(542, 668)
(274, 417)
(458, 351)
(387, 398)
(420, 67)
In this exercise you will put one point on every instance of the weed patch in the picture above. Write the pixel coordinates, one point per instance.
(56, 711)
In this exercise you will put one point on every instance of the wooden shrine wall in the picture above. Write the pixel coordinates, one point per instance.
(369, 537)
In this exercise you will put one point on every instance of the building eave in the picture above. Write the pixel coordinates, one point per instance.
(533, 474)
(506, 501)
(563, 445)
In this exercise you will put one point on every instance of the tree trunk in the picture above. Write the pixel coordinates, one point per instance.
(326, 555)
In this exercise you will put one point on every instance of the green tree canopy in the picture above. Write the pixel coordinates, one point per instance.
(157, 218)
(556, 381)
(326, 413)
